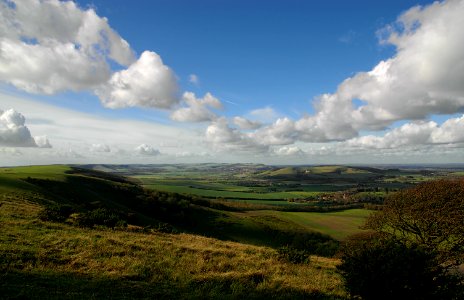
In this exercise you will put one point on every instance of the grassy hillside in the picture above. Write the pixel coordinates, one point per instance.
(91, 194)
(42, 259)
(57, 261)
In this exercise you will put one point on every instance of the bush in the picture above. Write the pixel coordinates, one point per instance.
(312, 243)
(375, 267)
(56, 213)
(293, 255)
(101, 216)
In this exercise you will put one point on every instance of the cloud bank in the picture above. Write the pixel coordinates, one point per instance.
(424, 78)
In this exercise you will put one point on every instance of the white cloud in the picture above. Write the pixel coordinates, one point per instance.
(414, 134)
(197, 109)
(147, 150)
(13, 132)
(282, 132)
(52, 46)
(54, 68)
(246, 124)
(193, 78)
(223, 138)
(147, 83)
(42, 141)
(451, 132)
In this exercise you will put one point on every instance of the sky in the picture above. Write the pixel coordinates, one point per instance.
(274, 82)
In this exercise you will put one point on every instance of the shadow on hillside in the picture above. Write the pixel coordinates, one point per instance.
(17, 284)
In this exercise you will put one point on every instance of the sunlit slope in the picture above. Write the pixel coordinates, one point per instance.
(57, 261)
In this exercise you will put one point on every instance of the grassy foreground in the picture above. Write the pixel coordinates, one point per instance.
(57, 261)
(40, 259)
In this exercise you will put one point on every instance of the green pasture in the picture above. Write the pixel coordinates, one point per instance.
(233, 189)
(11, 178)
(338, 224)
(232, 193)
(217, 194)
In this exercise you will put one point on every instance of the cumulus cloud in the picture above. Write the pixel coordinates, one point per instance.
(147, 83)
(223, 137)
(246, 124)
(450, 132)
(282, 132)
(146, 150)
(52, 46)
(423, 78)
(198, 109)
(13, 132)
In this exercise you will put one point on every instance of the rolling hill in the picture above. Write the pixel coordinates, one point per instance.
(161, 245)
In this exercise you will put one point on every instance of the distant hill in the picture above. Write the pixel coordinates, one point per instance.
(324, 174)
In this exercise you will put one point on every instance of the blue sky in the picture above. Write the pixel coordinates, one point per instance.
(258, 53)
(284, 79)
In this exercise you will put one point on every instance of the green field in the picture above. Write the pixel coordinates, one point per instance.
(229, 194)
(338, 224)
(210, 189)
(246, 181)
(10, 177)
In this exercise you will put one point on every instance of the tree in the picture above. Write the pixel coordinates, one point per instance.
(430, 215)
(416, 242)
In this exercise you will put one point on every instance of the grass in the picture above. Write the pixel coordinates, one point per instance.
(338, 224)
(214, 190)
(221, 193)
(57, 261)
(10, 178)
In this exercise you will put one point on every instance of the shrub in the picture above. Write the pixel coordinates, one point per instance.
(293, 255)
(376, 267)
(312, 243)
(101, 216)
(56, 213)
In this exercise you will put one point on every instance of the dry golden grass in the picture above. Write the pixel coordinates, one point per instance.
(167, 265)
